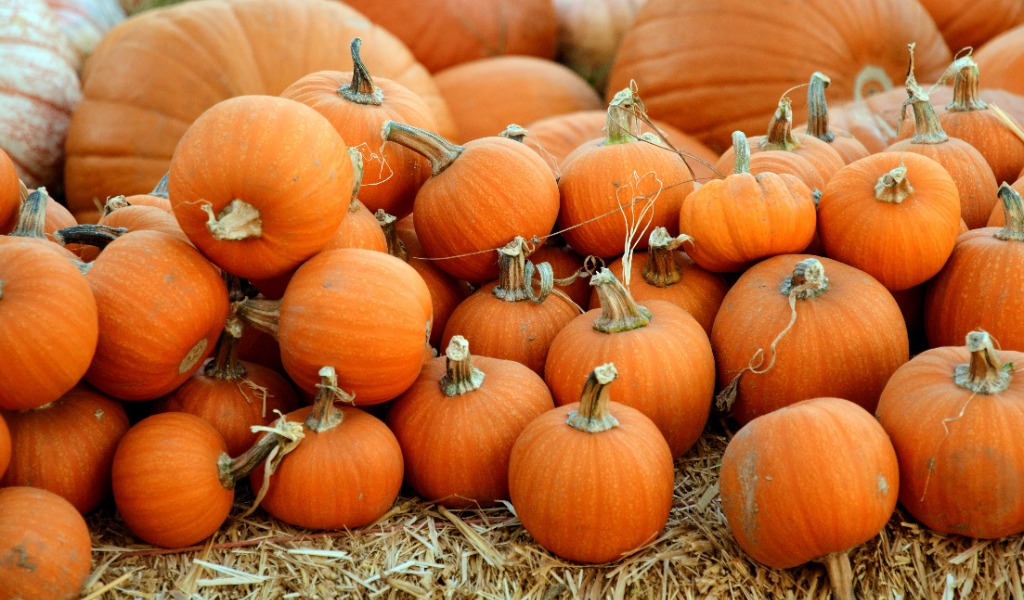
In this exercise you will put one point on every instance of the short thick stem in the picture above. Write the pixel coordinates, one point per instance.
(927, 128)
(460, 377)
(807, 281)
(32, 216)
(325, 415)
(226, 365)
(235, 469)
(780, 129)
(741, 153)
(592, 415)
(512, 283)
(514, 132)
(237, 221)
(662, 267)
(966, 96)
(362, 89)
(621, 121)
(893, 187)
(89, 234)
(387, 223)
(985, 374)
(1013, 209)
(260, 313)
(619, 312)
(817, 108)
(439, 151)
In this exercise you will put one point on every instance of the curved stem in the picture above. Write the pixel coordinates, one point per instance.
(439, 151)
(928, 129)
(985, 374)
(817, 108)
(621, 121)
(32, 216)
(780, 129)
(807, 281)
(260, 313)
(592, 415)
(282, 434)
(893, 187)
(387, 223)
(741, 153)
(325, 415)
(966, 95)
(89, 234)
(619, 312)
(362, 89)
(662, 267)
(1013, 209)
(460, 376)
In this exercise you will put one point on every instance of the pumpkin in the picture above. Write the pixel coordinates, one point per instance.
(613, 190)
(665, 272)
(258, 208)
(968, 23)
(507, 318)
(708, 86)
(569, 267)
(592, 481)
(981, 285)
(1000, 59)
(40, 90)
(662, 353)
(88, 425)
(461, 400)
(49, 324)
(487, 94)
(161, 307)
(346, 472)
(971, 173)
(41, 529)
(951, 412)
(744, 217)
(10, 192)
(894, 215)
(795, 327)
(366, 311)
(38, 219)
(133, 112)
(86, 21)
(5, 446)
(810, 481)
(357, 104)
(163, 450)
(459, 31)
(818, 125)
(454, 211)
(589, 34)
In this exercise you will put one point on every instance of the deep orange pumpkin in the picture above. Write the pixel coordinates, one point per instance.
(609, 459)
(10, 192)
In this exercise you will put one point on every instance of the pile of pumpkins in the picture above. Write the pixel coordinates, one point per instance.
(343, 255)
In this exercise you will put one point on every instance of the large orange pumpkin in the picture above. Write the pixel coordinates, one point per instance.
(135, 106)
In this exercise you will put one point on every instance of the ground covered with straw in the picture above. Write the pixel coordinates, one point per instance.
(422, 550)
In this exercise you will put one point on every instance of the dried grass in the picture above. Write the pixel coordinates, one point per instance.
(421, 550)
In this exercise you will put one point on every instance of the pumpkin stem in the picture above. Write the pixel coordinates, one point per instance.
(807, 281)
(325, 415)
(280, 439)
(89, 234)
(161, 189)
(817, 108)
(225, 365)
(928, 129)
(260, 313)
(966, 95)
(460, 375)
(741, 153)
(662, 267)
(621, 120)
(362, 89)
(1013, 208)
(985, 374)
(237, 221)
(439, 151)
(516, 133)
(358, 171)
(113, 203)
(780, 129)
(592, 416)
(893, 187)
(388, 225)
(840, 574)
(619, 312)
(32, 216)
(1, 289)
(515, 274)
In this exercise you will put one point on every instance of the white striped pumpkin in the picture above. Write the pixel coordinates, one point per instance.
(85, 21)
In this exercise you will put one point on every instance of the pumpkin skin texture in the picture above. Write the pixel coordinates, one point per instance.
(89, 425)
(40, 89)
(10, 193)
(276, 156)
(981, 286)
(733, 86)
(957, 447)
(620, 479)
(176, 307)
(481, 402)
(1000, 59)
(902, 239)
(42, 529)
(807, 481)
(5, 446)
(666, 364)
(845, 341)
(49, 323)
(964, 23)
(133, 113)
(459, 31)
(366, 311)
